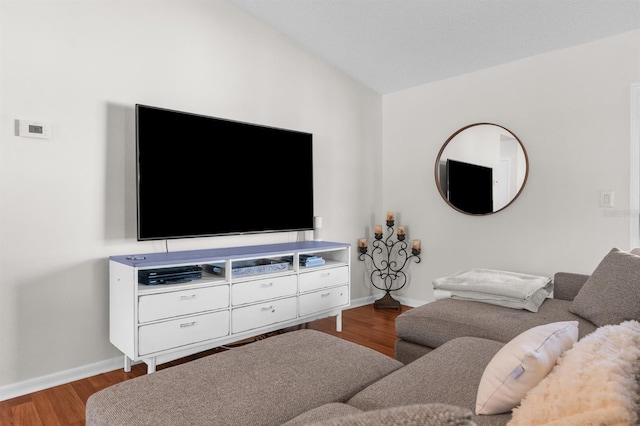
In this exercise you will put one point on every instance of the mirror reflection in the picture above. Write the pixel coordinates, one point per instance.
(481, 169)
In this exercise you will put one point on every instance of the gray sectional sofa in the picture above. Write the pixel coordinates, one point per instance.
(307, 377)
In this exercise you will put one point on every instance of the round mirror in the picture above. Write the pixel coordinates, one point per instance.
(481, 169)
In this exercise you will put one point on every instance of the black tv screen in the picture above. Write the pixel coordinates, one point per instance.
(470, 187)
(200, 176)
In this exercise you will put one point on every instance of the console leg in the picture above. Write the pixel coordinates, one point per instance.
(127, 364)
(339, 322)
(151, 365)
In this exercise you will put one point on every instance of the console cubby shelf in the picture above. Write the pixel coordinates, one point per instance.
(158, 323)
(207, 280)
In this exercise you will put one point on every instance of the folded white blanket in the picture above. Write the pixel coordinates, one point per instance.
(508, 289)
(495, 282)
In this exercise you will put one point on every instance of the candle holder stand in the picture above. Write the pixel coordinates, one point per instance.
(389, 258)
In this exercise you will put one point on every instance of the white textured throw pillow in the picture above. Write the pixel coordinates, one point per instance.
(521, 364)
(594, 383)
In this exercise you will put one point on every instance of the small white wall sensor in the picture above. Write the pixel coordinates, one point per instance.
(33, 129)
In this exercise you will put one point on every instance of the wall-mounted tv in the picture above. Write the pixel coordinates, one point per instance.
(201, 176)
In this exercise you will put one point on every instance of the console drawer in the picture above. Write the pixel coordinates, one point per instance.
(180, 332)
(323, 300)
(184, 302)
(263, 314)
(263, 289)
(322, 278)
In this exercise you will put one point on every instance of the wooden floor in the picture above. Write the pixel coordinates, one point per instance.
(65, 405)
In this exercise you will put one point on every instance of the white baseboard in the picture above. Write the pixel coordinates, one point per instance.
(370, 299)
(355, 303)
(410, 302)
(50, 380)
(44, 382)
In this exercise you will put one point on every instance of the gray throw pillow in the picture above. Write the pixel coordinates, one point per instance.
(408, 415)
(612, 293)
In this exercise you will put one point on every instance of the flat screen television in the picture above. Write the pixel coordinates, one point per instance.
(201, 176)
(470, 187)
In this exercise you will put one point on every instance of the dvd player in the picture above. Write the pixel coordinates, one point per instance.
(180, 278)
(169, 275)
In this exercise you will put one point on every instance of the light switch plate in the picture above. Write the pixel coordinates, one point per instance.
(606, 199)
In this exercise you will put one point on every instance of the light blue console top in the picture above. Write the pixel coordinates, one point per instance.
(218, 254)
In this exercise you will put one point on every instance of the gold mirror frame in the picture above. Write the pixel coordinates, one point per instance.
(481, 169)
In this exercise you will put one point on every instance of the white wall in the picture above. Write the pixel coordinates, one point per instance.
(68, 203)
(570, 109)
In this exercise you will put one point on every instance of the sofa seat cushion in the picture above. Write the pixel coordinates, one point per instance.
(449, 375)
(438, 322)
(264, 383)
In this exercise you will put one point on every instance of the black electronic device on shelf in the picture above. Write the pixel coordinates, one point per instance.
(169, 275)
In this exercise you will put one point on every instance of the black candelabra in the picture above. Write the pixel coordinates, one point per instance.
(389, 257)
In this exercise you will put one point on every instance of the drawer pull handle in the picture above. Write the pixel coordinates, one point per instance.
(268, 308)
(325, 294)
(189, 297)
(266, 284)
(326, 274)
(187, 324)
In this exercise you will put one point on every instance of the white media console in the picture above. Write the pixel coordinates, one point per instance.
(159, 323)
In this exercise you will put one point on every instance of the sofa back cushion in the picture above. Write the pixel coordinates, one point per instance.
(611, 294)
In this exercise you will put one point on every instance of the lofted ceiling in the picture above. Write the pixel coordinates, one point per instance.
(391, 45)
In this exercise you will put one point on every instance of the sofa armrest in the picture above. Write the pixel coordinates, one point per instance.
(566, 285)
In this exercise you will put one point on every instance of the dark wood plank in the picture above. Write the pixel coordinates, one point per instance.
(65, 404)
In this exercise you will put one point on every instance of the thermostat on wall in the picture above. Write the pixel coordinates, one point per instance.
(33, 129)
